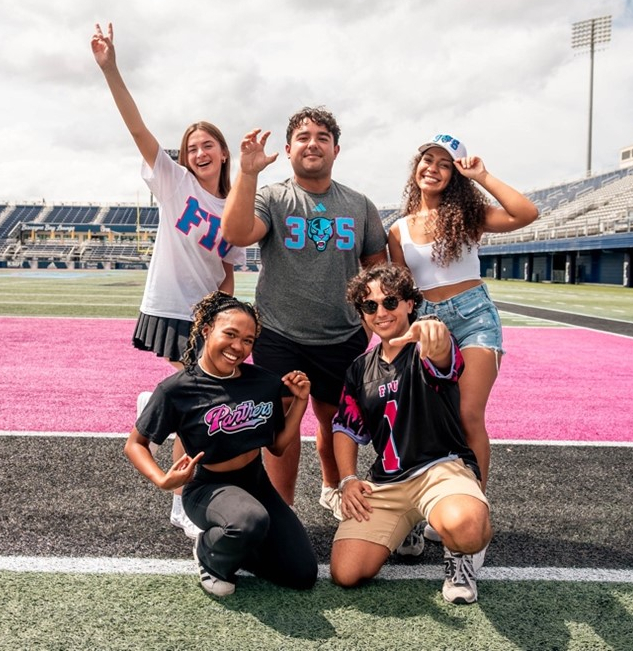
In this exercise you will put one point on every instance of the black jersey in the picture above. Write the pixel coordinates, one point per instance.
(408, 409)
(223, 418)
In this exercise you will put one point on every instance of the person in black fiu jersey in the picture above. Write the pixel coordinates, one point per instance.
(403, 397)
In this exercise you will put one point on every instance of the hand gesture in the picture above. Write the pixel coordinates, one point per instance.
(181, 472)
(471, 167)
(353, 502)
(298, 383)
(432, 335)
(253, 158)
(103, 47)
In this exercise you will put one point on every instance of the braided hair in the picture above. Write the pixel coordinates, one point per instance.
(205, 312)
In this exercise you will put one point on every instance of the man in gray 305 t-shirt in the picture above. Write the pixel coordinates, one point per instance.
(313, 233)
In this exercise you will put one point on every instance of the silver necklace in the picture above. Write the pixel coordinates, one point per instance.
(217, 377)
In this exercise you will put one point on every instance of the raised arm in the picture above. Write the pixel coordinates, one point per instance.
(103, 50)
(434, 339)
(240, 225)
(516, 209)
(299, 386)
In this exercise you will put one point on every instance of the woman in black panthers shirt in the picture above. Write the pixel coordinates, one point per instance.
(224, 412)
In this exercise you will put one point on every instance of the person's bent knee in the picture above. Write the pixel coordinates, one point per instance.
(249, 527)
(470, 537)
(355, 561)
(345, 578)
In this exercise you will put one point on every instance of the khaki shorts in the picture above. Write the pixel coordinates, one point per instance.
(397, 508)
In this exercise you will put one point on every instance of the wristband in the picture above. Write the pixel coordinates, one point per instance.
(345, 480)
(428, 317)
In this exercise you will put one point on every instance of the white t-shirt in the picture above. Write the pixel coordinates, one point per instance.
(188, 252)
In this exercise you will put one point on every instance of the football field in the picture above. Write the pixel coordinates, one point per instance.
(89, 560)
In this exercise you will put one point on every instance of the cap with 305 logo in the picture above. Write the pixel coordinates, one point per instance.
(454, 147)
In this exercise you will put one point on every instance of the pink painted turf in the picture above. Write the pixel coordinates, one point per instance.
(83, 375)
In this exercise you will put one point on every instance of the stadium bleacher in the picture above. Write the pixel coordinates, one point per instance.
(596, 206)
(587, 222)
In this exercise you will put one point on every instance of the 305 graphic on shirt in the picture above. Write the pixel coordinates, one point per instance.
(320, 231)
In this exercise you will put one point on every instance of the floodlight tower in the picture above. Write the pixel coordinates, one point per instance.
(589, 33)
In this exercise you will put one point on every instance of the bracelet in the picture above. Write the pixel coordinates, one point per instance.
(345, 480)
(428, 317)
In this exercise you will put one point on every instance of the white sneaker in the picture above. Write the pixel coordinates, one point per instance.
(180, 519)
(460, 586)
(431, 534)
(331, 499)
(413, 544)
(211, 584)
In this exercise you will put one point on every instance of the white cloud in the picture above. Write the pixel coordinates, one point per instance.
(502, 76)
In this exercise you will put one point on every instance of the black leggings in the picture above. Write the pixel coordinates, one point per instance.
(247, 525)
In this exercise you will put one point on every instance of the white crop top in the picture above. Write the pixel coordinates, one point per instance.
(428, 274)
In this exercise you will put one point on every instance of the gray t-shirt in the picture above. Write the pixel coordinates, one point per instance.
(312, 248)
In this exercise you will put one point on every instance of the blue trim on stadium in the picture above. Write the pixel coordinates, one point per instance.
(617, 241)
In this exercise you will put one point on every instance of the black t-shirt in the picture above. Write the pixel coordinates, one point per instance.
(223, 418)
(407, 409)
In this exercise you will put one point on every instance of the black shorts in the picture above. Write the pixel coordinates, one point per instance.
(325, 365)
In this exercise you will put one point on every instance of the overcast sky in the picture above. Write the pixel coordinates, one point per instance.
(499, 74)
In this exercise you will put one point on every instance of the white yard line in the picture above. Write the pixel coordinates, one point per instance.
(108, 565)
(122, 435)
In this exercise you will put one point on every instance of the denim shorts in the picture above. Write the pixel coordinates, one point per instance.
(471, 317)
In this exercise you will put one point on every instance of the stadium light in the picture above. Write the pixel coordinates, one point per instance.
(588, 34)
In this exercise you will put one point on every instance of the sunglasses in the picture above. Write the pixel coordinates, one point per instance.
(371, 307)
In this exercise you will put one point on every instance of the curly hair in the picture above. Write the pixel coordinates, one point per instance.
(460, 214)
(393, 279)
(319, 115)
(205, 313)
(225, 171)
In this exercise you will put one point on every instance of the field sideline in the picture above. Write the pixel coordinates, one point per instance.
(559, 574)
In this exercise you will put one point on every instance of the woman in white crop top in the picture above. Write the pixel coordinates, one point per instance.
(446, 215)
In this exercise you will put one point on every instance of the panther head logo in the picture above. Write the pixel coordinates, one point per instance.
(320, 231)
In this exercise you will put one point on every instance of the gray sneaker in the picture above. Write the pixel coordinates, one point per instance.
(460, 586)
(431, 534)
(413, 544)
(211, 584)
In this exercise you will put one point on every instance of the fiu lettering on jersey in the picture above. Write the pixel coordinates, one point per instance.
(391, 387)
(246, 415)
(193, 215)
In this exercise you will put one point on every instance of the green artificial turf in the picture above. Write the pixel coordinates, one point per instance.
(115, 612)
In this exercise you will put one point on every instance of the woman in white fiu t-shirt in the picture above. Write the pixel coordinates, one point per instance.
(190, 258)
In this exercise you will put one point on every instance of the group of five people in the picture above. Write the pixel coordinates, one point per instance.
(326, 287)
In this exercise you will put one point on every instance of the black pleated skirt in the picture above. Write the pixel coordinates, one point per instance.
(166, 337)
